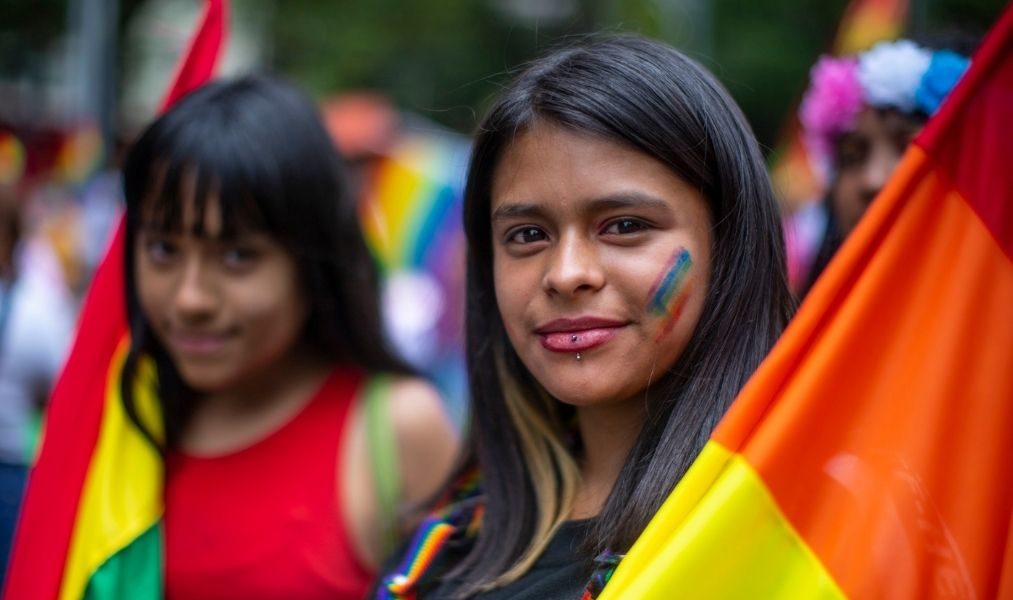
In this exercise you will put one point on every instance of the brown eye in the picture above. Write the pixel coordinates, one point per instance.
(526, 235)
(851, 151)
(625, 226)
(160, 251)
(239, 257)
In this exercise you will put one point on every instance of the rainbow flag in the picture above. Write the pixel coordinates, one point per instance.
(414, 200)
(410, 214)
(90, 524)
(871, 455)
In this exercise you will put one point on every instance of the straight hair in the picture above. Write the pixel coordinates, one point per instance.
(651, 98)
(257, 147)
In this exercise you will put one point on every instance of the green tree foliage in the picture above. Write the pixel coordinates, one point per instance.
(446, 58)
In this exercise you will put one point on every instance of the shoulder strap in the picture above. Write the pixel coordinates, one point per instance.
(457, 522)
(383, 457)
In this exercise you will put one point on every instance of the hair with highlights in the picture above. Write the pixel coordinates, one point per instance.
(651, 98)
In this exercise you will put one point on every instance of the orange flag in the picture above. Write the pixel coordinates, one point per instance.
(871, 455)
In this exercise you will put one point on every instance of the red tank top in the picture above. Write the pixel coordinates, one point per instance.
(264, 522)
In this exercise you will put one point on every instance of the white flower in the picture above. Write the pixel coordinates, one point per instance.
(890, 73)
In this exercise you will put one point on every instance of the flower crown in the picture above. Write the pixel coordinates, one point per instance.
(900, 75)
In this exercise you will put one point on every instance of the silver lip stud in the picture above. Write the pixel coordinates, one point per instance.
(578, 356)
(573, 338)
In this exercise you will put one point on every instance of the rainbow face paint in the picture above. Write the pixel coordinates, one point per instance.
(669, 293)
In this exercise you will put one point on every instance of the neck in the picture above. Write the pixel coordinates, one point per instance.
(608, 433)
(231, 419)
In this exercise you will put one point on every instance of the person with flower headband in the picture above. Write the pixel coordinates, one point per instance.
(858, 116)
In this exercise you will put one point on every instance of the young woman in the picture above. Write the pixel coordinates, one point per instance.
(625, 277)
(250, 288)
(859, 114)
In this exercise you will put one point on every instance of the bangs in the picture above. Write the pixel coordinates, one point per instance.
(179, 182)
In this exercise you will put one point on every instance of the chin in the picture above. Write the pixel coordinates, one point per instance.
(581, 394)
(205, 381)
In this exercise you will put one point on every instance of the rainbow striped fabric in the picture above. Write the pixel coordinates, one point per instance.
(410, 214)
(870, 455)
(411, 209)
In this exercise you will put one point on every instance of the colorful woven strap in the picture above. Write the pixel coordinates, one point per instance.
(460, 513)
(604, 566)
(424, 548)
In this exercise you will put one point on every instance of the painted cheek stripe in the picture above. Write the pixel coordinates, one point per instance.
(677, 307)
(668, 295)
(665, 289)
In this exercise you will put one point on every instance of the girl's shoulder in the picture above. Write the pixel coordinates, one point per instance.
(423, 437)
(414, 411)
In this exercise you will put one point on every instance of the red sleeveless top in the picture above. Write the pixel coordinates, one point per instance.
(265, 522)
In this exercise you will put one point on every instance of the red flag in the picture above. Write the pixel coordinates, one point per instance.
(202, 55)
(51, 510)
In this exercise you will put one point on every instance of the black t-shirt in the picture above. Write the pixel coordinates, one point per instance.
(558, 574)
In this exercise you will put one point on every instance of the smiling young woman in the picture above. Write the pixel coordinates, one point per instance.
(228, 308)
(584, 229)
(625, 277)
(250, 290)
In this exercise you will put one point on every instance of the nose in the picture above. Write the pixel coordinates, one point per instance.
(195, 295)
(574, 267)
(877, 170)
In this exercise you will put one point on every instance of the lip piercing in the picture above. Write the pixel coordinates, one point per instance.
(573, 338)
(578, 356)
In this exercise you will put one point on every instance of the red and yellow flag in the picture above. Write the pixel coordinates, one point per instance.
(90, 523)
(871, 455)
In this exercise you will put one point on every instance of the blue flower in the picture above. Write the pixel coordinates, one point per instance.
(943, 73)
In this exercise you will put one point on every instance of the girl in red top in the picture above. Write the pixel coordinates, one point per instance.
(250, 287)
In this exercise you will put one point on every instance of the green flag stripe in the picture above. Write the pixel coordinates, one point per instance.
(133, 573)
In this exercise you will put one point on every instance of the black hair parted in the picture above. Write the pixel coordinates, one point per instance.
(258, 148)
(650, 97)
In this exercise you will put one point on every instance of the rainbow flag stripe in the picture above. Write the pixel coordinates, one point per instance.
(869, 456)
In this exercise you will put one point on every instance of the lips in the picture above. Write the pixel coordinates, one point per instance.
(198, 343)
(577, 335)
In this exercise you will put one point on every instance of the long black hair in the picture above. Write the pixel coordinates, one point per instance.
(258, 148)
(650, 97)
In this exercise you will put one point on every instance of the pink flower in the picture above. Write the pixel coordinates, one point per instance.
(830, 105)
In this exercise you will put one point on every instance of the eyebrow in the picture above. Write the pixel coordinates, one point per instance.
(611, 202)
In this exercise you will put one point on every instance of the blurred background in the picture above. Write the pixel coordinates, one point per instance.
(401, 85)
(65, 60)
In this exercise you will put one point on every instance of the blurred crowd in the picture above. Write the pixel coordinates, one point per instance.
(61, 198)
